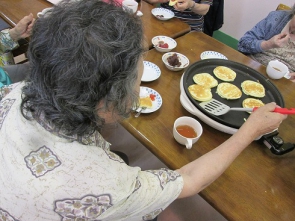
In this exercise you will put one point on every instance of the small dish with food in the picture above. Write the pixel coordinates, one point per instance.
(164, 43)
(175, 61)
(162, 13)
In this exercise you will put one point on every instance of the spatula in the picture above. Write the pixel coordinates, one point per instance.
(218, 108)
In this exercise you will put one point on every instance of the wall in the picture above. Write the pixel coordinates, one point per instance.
(242, 15)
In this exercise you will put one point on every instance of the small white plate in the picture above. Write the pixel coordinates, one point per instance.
(212, 54)
(162, 13)
(151, 72)
(157, 103)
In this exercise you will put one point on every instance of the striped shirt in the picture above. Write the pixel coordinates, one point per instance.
(195, 21)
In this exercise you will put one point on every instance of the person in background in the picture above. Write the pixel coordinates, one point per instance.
(190, 11)
(86, 66)
(213, 20)
(10, 73)
(273, 38)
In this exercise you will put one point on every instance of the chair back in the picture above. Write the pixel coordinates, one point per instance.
(283, 7)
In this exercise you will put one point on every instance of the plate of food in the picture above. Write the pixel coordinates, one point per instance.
(162, 13)
(151, 72)
(149, 98)
(212, 55)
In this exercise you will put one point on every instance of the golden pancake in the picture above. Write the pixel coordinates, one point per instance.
(229, 91)
(252, 102)
(200, 93)
(172, 2)
(253, 88)
(145, 102)
(205, 80)
(224, 73)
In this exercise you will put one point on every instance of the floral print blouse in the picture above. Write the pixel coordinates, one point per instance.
(6, 45)
(46, 175)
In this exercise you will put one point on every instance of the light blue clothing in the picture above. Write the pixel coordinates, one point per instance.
(270, 26)
(4, 78)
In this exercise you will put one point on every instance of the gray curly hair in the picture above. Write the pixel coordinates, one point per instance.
(82, 54)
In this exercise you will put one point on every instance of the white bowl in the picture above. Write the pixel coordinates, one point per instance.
(162, 13)
(183, 59)
(170, 41)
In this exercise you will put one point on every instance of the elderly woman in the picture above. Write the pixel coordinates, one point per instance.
(273, 38)
(86, 65)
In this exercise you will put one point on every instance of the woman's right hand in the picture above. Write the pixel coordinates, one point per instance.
(263, 120)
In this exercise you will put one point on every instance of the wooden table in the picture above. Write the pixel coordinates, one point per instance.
(153, 27)
(14, 10)
(258, 185)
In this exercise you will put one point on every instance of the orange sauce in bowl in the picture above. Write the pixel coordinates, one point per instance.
(186, 131)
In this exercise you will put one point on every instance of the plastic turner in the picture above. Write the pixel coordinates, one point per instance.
(218, 108)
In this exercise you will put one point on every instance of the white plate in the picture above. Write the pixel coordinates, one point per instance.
(212, 54)
(157, 103)
(159, 12)
(151, 72)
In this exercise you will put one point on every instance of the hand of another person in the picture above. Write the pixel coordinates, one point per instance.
(264, 120)
(23, 28)
(277, 41)
(292, 76)
(181, 5)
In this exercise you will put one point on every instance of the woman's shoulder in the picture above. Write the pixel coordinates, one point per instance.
(280, 14)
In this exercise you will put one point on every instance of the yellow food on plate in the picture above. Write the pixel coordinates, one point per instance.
(200, 93)
(205, 80)
(145, 102)
(172, 2)
(253, 88)
(224, 73)
(229, 91)
(252, 102)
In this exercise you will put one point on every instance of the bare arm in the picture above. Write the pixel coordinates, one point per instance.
(203, 171)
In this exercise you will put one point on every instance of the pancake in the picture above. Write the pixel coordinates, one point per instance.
(229, 91)
(145, 102)
(172, 2)
(224, 73)
(253, 88)
(205, 80)
(200, 93)
(252, 102)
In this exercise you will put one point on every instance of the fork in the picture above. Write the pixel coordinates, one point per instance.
(139, 112)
